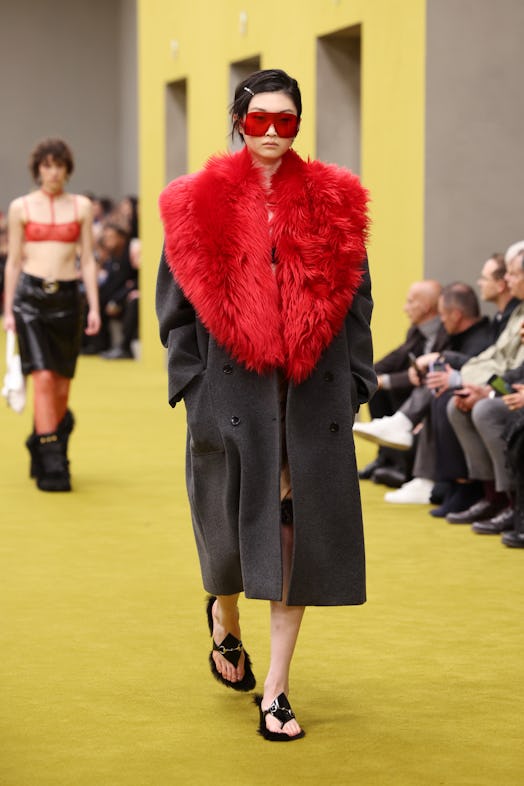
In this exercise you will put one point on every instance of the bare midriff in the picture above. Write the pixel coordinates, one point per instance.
(51, 260)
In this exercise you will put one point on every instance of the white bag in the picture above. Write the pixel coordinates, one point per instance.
(14, 382)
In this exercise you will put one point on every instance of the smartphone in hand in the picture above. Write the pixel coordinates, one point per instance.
(413, 364)
(499, 385)
(438, 365)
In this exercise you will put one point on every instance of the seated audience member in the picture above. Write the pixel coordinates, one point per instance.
(481, 433)
(102, 209)
(451, 470)
(515, 454)
(124, 350)
(494, 289)
(501, 358)
(118, 279)
(468, 334)
(397, 429)
(425, 333)
(127, 215)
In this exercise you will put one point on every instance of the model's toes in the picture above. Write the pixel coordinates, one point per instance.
(291, 728)
(278, 722)
(227, 670)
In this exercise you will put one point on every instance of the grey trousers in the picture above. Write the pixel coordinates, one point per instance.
(417, 408)
(480, 435)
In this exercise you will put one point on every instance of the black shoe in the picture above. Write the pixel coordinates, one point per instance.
(231, 649)
(441, 490)
(53, 472)
(34, 466)
(513, 539)
(502, 523)
(281, 710)
(481, 510)
(449, 501)
(390, 476)
(63, 430)
(369, 469)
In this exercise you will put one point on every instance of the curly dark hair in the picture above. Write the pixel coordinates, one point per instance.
(53, 148)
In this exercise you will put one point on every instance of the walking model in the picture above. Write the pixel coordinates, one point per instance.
(264, 303)
(43, 302)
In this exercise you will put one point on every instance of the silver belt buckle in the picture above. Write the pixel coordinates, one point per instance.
(49, 286)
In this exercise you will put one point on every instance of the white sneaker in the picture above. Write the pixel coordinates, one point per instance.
(392, 432)
(415, 492)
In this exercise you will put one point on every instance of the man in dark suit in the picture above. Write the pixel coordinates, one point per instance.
(425, 334)
(469, 333)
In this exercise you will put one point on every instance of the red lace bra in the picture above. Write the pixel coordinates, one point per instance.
(66, 232)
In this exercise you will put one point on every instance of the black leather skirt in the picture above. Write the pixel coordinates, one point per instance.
(49, 322)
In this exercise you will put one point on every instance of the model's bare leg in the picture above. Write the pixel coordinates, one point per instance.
(46, 405)
(226, 620)
(285, 626)
(62, 395)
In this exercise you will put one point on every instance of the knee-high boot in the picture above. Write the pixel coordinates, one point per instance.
(53, 466)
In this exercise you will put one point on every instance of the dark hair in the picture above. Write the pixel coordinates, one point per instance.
(106, 204)
(500, 270)
(133, 222)
(271, 80)
(117, 227)
(56, 149)
(461, 296)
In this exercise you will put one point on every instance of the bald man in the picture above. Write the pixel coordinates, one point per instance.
(425, 334)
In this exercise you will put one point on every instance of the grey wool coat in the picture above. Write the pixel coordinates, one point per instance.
(240, 304)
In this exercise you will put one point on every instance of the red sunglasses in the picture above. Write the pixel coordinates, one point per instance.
(258, 123)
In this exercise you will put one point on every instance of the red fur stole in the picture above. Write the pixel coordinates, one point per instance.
(219, 249)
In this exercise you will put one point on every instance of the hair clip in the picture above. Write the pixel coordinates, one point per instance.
(248, 90)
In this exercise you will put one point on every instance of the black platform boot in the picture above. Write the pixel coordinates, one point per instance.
(64, 429)
(31, 444)
(53, 470)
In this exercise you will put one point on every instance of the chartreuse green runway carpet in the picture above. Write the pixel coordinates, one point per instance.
(104, 643)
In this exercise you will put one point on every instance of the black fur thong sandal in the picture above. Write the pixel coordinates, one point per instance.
(231, 649)
(281, 710)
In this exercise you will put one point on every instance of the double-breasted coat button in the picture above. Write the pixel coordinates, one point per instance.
(227, 368)
(334, 427)
(328, 376)
(235, 420)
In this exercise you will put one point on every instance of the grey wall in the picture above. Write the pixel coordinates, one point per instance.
(338, 98)
(68, 68)
(474, 133)
(127, 133)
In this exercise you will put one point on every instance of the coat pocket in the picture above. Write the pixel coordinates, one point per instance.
(204, 434)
